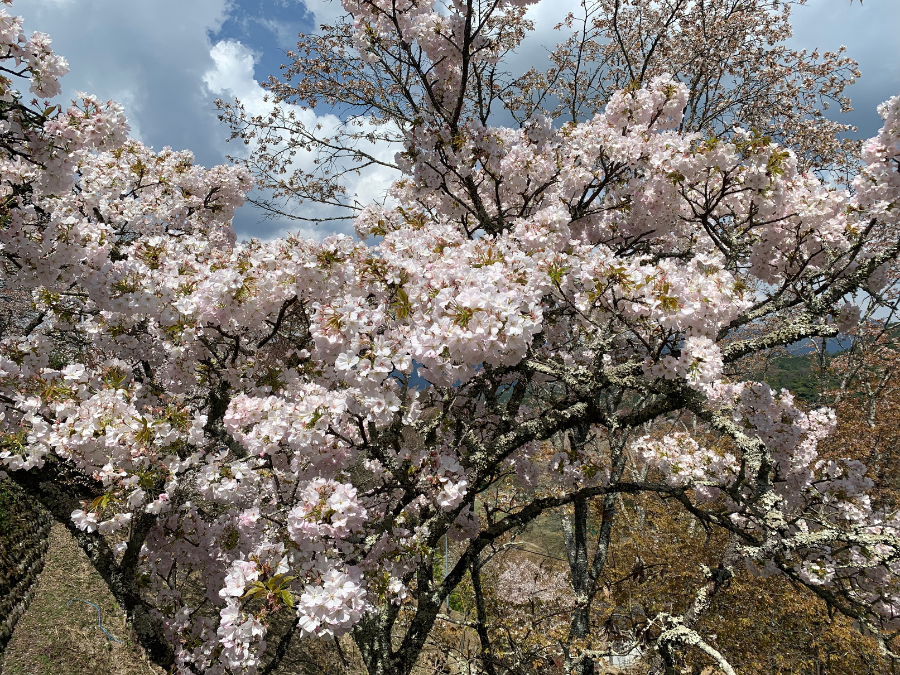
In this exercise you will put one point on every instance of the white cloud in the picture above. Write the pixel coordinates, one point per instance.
(149, 55)
(233, 72)
(232, 77)
(324, 11)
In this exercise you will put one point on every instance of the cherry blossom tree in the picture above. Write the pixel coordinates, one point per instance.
(732, 56)
(243, 433)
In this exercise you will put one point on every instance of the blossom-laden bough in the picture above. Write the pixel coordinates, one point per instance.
(234, 431)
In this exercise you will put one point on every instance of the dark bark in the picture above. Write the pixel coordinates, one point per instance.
(486, 653)
(373, 635)
(281, 648)
(575, 529)
(586, 572)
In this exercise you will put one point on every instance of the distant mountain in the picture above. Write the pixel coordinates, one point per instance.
(799, 374)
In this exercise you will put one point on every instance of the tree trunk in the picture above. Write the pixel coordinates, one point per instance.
(585, 573)
(486, 653)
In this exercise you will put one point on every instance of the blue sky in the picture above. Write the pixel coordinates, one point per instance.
(167, 61)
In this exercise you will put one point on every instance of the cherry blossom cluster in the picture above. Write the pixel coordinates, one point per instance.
(524, 581)
(32, 55)
(700, 362)
(684, 462)
(327, 510)
(877, 185)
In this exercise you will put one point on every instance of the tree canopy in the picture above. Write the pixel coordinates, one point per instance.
(557, 310)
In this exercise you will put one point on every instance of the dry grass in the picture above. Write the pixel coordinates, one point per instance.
(52, 639)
